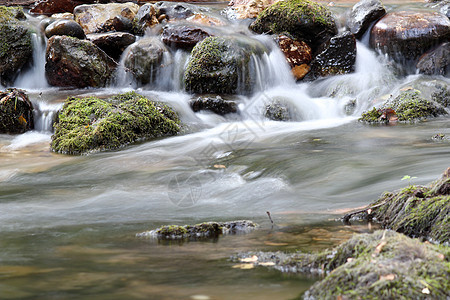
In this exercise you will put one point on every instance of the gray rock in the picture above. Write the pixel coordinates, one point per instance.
(113, 43)
(65, 27)
(436, 61)
(363, 14)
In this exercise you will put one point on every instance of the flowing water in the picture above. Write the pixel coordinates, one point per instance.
(68, 223)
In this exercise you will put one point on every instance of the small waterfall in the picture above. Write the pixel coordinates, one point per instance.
(34, 77)
(45, 115)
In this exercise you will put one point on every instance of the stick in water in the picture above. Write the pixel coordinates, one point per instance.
(268, 213)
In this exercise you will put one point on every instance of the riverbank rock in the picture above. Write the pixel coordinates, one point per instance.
(362, 14)
(50, 7)
(113, 43)
(436, 61)
(16, 112)
(71, 62)
(97, 18)
(409, 106)
(183, 36)
(217, 105)
(221, 65)
(406, 35)
(65, 27)
(92, 124)
(247, 9)
(304, 20)
(381, 265)
(144, 59)
(336, 57)
(417, 211)
(15, 43)
(202, 230)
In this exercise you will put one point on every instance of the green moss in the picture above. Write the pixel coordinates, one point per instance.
(172, 230)
(89, 124)
(371, 116)
(11, 14)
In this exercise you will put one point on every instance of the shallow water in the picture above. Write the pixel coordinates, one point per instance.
(68, 223)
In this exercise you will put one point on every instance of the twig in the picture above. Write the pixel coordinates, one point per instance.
(268, 213)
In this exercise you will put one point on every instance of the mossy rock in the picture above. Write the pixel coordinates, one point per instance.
(16, 112)
(15, 43)
(381, 265)
(92, 124)
(409, 106)
(417, 211)
(303, 19)
(221, 65)
(202, 230)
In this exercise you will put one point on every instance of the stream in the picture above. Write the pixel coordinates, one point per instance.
(68, 223)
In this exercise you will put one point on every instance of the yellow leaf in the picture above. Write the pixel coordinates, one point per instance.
(220, 167)
(275, 244)
(22, 120)
(389, 277)
(244, 266)
(267, 264)
(254, 258)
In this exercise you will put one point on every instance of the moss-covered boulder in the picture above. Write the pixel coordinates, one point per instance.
(202, 230)
(417, 211)
(222, 65)
(92, 124)
(71, 62)
(16, 112)
(303, 19)
(409, 106)
(15, 43)
(382, 265)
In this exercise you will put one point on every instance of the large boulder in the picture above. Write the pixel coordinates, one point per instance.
(71, 62)
(183, 36)
(96, 18)
(302, 19)
(65, 27)
(362, 14)
(247, 9)
(338, 56)
(436, 61)
(93, 124)
(15, 43)
(113, 43)
(144, 59)
(221, 65)
(406, 35)
(16, 112)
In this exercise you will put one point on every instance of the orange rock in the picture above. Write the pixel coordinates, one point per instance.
(300, 71)
(296, 52)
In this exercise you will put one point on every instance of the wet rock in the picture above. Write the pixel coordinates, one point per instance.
(16, 112)
(296, 52)
(15, 44)
(216, 105)
(50, 7)
(364, 13)
(442, 95)
(71, 62)
(65, 27)
(97, 18)
(302, 19)
(93, 124)
(183, 36)
(381, 265)
(144, 59)
(280, 111)
(417, 211)
(113, 43)
(202, 230)
(301, 71)
(436, 61)
(221, 65)
(146, 17)
(337, 56)
(247, 9)
(67, 16)
(176, 10)
(406, 35)
(23, 3)
(409, 106)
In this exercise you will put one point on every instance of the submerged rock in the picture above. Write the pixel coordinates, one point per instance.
(408, 106)
(92, 124)
(71, 62)
(183, 36)
(280, 110)
(113, 43)
(65, 27)
(302, 19)
(362, 14)
(417, 211)
(221, 65)
(144, 59)
(15, 43)
(382, 265)
(202, 230)
(406, 35)
(96, 18)
(16, 112)
(436, 61)
(216, 105)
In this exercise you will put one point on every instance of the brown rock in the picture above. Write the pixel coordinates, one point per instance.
(296, 52)
(183, 36)
(50, 7)
(248, 9)
(65, 27)
(300, 72)
(205, 20)
(436, 61)
(113, 43)
(406, 35)
(16, 112)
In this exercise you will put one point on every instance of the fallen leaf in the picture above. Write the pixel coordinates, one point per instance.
(254, 258)
(389, 277)
(22, 120)
(379, 248)
(426, 291)
(349, 259)
(267, 264)
(244, 266)
(220, 167)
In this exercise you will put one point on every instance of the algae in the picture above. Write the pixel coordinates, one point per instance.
(92, 124)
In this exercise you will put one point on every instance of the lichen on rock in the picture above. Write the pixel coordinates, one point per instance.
(93, 124)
